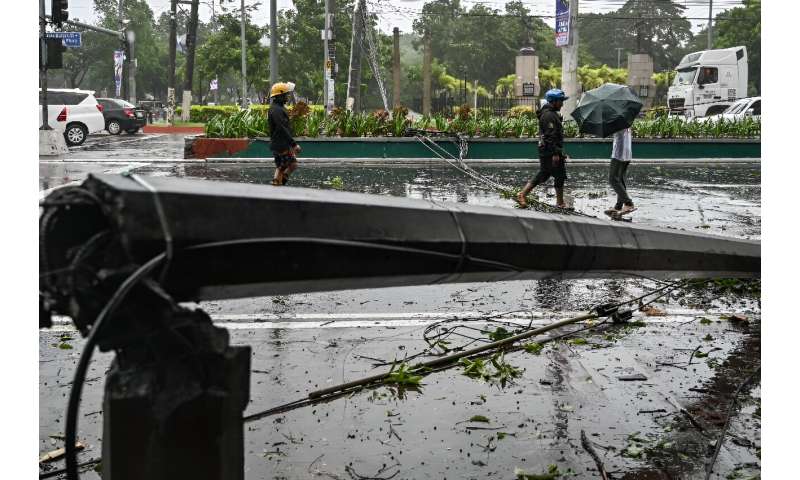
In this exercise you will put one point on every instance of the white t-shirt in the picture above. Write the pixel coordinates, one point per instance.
(621, 149)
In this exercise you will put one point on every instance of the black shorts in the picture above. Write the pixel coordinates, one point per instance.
(283, 160)
(547, 170)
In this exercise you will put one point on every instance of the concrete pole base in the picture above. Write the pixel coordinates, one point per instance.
(51, 142)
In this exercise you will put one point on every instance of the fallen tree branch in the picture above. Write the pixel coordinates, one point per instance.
(588, 447)
(721, 439)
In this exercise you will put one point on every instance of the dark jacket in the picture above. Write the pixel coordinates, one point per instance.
(280, 129)
(551, 132)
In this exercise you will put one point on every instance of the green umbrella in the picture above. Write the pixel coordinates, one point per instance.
(606, 109)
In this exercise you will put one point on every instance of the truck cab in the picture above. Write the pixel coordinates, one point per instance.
(708, 82)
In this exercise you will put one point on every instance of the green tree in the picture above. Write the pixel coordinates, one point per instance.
(151, 73)
(220, 55)
(655, 27)
(742, 26)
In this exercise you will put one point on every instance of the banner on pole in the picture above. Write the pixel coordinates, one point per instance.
(119, 57)
(562, 23)
(214, 85)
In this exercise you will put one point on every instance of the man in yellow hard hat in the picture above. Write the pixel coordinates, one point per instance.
(282, 143)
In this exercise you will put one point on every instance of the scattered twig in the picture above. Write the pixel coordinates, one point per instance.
(692, 355)
(674, 365)
(588, 447)
(392, 431)
(658, 410)
(313, 462)
(357, 476)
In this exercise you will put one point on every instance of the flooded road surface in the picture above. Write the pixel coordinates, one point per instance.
(651, 397)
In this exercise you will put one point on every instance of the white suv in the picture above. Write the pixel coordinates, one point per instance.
(74, 112)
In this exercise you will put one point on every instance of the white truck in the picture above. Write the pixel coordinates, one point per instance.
(708, 82)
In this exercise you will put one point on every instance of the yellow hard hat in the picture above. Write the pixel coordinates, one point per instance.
(280, 88)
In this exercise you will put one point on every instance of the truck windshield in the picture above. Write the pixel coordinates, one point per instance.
(685, 76)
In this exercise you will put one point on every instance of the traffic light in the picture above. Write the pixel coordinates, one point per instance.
(60, 13)
(55, 51)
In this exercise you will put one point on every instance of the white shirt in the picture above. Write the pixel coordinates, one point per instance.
(621, 149)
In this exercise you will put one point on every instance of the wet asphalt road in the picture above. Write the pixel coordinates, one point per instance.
(569, 387)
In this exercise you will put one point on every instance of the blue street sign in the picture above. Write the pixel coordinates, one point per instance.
(69, 39)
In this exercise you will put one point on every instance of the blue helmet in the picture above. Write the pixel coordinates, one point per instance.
(554, 95)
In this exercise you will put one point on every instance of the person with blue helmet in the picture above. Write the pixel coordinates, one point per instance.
(551, 148)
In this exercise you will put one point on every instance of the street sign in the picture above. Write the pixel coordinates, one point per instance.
(68, 39)
(562, 23)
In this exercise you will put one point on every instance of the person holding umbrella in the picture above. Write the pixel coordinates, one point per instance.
(551, 149)
(603, 111)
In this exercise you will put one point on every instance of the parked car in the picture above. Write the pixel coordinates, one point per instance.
(74, 112)
(746, 107)
(120, 115)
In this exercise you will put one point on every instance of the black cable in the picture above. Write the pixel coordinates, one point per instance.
(70, 431)
(633, 300)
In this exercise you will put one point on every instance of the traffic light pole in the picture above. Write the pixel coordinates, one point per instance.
(43, 65)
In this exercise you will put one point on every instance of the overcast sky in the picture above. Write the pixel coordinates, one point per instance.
(400, 13)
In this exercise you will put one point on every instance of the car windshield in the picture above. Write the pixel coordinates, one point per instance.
(125, 104)
(685, 76)
(736, 107)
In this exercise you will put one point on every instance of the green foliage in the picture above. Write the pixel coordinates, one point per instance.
(203, 113)
(402, 376)
(481, 39)
(242, 124)
(474, 368)
(479, 418)
(673, 127)
(656, 27)
(533, 347)
(336, 183)
(552, 473)
(499, 334)
(496, 370)
(518, 124)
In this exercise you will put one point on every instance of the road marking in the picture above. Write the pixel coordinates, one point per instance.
(264, 321)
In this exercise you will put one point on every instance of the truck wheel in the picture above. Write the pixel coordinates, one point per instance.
(75, 134)
(114, 127)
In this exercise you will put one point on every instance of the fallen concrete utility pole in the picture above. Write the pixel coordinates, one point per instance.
(341, 240)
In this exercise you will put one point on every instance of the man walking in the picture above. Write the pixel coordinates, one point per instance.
(621, 155)
(551, 149)
(281, 140)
